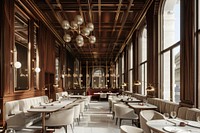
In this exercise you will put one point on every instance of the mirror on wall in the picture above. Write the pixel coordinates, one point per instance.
(21, 51)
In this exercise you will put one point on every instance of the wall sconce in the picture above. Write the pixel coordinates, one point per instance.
(37, 69)
(124, 84)
(16, 64)
(150, 88)
(55, 85)
(137, 83)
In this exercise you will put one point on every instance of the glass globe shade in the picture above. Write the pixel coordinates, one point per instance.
(67, 38)
(79, 39)
(37, 70)
(80, 44)
(74, 25)
(17, 65)
(86, 31)
(65, 25)
(92, 39)
(79, 19)
(90, 26)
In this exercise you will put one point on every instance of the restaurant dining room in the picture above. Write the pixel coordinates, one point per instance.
(100, 66)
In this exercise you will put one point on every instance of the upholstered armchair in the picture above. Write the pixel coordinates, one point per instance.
(61, 118)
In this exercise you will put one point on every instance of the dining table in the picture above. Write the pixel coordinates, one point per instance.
(49, 108)
(173, 126)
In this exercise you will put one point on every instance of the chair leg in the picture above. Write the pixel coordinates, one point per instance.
(116, 121)
(77, 120)
(120, 122)
(72, 128)
(113, 115)
(65, 127)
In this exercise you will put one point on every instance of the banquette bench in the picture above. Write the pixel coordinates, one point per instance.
(16, 114)
(165, 106)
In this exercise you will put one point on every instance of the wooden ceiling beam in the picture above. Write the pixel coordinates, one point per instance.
(135, 25)
(115, 23)
(122, 25)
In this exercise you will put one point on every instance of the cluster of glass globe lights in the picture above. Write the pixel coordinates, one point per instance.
(75, 25)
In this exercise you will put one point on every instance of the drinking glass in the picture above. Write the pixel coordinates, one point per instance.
(198, 118)
(166, 116)
(173, 114)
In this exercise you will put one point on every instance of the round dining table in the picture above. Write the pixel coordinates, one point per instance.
(173, 126)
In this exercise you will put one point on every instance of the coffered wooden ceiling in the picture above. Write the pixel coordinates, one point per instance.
(114, 23)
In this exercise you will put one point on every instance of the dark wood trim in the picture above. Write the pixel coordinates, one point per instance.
(187, 54)
(171, 47)
(152, 49)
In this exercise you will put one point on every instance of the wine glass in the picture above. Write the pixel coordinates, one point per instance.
(173, 114)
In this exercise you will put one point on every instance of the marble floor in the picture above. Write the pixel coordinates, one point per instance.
(97, 119)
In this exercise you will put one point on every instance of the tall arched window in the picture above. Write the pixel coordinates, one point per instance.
(142, 41)
(130, 66)
(170, 50)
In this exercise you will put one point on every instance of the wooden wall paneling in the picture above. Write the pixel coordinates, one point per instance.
(32, 60)
(152, 49)
(84, 76)
(63, 66)
(1, 49)
(135, 60)
(2, 60)
(8, 39)
(187, 50)
(42, 55)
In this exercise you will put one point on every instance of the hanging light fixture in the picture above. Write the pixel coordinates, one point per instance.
(150, 88)
(75, 26)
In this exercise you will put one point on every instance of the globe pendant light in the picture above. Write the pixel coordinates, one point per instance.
(75, 26)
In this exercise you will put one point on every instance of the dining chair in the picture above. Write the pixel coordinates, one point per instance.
(87, 101)
(77, 110)
(82, 106)
(130, 129)
(147, 115)
(113, 102)
(61, 118)
(123, 112)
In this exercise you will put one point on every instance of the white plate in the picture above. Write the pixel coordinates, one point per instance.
(194, 123)
(172, 129)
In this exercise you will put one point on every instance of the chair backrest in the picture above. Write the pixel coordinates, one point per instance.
(122, 111)
(146, 115)
(82, 105)
(182, 112)
(130, 129)
(171, 106)
(61, 118)
(191, 114)
(77, 108)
